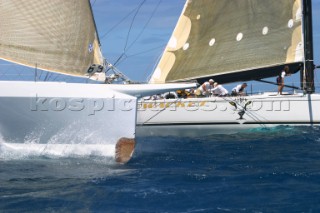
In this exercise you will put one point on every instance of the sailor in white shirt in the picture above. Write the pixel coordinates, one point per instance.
(239, 89)
(280, 79)
(219, 90)
(205, 88)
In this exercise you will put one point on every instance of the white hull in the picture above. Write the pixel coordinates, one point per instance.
(56, 118)
(39, 116)
(216, 114)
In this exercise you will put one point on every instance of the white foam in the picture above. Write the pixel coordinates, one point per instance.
(10, 151)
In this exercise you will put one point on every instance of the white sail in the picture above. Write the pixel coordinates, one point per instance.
(232, 38)
(57, 36)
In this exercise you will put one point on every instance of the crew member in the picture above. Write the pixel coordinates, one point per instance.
(219, 90)
(239, 89)
(205, 88)
(280, 79)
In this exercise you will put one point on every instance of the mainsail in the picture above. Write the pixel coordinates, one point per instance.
(233, 40)
(58, 36)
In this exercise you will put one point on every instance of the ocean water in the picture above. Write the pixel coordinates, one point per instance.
(258, 170)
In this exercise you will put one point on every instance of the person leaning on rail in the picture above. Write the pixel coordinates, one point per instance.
(219, 90)
(239, 89)
(205, 88)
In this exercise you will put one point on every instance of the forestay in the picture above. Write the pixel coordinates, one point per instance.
(233, 40)
(58, 36)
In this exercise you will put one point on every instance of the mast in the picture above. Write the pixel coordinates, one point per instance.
(309, 63)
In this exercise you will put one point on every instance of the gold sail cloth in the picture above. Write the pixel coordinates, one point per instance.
(231, 37)
(54, 35)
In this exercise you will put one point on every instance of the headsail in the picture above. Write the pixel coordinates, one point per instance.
(57, 35)
(233, 40)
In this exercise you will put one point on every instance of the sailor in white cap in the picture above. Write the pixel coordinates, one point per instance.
(205, 88)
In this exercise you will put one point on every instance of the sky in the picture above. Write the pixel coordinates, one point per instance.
(145, 41)
(148, 39)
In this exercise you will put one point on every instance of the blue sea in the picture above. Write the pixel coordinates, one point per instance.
(258, 170)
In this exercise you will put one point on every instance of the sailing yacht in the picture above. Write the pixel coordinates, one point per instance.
(236, 41)
(57, 117)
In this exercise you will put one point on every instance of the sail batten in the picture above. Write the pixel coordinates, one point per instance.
(215, 38)
(57, 36)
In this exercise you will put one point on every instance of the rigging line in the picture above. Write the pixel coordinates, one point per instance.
(146, 51)
(118, 60)
(39, 78)
(146, 24)
(117, 24)
(56, 78)
(152, 63)
(49, 76)
(253, 116)
(155, 102)
(249, 113)
(144, 27)
(152, 66)
(148, 68)
(46, 77)
(129, 31)
(121, 59)
(124, 50)
(157, 61)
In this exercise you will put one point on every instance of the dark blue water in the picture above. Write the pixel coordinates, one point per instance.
(260, 170)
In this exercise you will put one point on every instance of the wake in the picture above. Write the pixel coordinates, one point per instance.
(29, 150)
